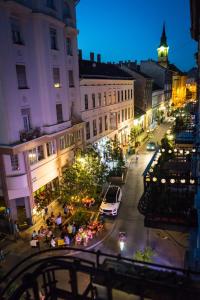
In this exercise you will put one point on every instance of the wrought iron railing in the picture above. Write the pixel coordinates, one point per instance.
(60, 274)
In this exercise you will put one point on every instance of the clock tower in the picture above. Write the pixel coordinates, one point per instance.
(163, 49)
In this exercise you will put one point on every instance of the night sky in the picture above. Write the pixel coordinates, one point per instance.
(131, 29)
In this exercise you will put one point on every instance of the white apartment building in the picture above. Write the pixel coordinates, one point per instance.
(107, 102)
(39, 99)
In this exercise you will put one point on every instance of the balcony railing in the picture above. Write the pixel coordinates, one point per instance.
(30, 135)
(55, 275)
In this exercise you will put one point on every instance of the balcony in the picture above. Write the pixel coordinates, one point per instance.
(102, 276)
(169, 191)
(30, 135)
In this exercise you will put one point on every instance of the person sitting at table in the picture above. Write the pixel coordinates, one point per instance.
(78, 239)
(34, 234)
(67, 240)
(69, 230)
(59, 221)
(53, 242)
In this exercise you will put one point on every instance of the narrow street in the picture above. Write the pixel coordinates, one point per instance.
(132, 222)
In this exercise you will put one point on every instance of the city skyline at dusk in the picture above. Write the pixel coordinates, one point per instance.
(132, 31)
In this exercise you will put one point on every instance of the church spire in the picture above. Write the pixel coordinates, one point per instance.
(163, 39)
(163, 49)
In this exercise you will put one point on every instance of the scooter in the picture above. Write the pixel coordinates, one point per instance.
(122, 240)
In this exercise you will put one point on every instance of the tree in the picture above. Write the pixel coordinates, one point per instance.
(84, 178)
(145, 255)
(114, 153)
(135, 131)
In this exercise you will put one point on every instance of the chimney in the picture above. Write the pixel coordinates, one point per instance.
(80, 54)
(98, 58)
(91, 56)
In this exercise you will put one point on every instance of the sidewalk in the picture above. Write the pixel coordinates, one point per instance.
(17, 251)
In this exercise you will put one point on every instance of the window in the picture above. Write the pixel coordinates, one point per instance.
(50, 4)
(53, 38)
(114, 96)
(56, 77)
(87, 130)
(118, 96)
(21, 76)
(14, 162)
(122, 95)
(122, 115)
(106, 122)
(62, 142)
(86, 101)
(94, 127)
(50, 148)
(118, 120)
(99, 97)
(93, 100)
(16, 32)
(131, 93)
(69, 46)
(59, 113)
(125, 113)
(71, 79)
(100, 124)
(36, 154)
(104, 99)
(26, 116)
(40, 152)
(128, 94)
(129, 113)
(125, 95)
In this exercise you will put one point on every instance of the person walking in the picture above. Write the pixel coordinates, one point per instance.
(137, 156)
(2, 255)
(65, 209)
(16, 231)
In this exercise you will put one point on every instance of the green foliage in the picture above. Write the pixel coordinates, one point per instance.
(84, 178)
(145, 255)
(114, 151)
(81, 217)
(135, 131)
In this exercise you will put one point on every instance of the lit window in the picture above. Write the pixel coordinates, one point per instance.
(36, 154)
(56, 77)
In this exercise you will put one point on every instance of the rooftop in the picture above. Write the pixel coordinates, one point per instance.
(91, 69)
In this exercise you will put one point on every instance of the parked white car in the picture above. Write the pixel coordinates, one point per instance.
(111, 201)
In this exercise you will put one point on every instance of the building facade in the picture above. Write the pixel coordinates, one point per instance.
(142, 91)
(40, 99)
(107, 102)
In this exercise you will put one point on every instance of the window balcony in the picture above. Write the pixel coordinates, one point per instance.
(30, 135)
